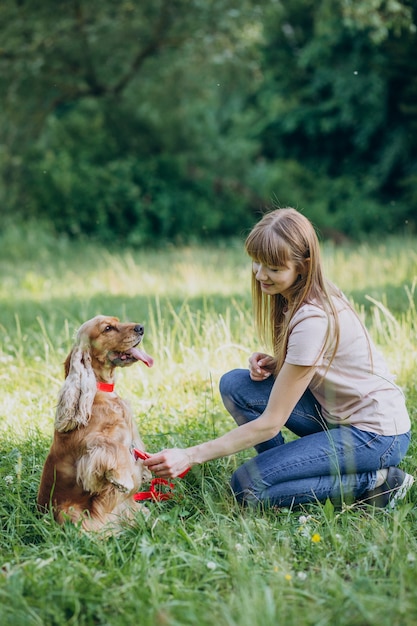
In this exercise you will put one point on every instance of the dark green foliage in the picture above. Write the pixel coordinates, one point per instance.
(339, 114)
(177, 120)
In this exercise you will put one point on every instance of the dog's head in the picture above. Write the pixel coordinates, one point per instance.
(101, 344)
(110, 343)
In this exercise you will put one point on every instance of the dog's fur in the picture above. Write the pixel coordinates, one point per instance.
(90, 474)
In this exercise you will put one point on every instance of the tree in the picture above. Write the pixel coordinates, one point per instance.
(337, 120)
(174, 119)
(115, 113)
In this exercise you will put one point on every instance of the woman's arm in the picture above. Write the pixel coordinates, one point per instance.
(288, 388)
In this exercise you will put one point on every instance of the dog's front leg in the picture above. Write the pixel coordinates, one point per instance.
(103, 463)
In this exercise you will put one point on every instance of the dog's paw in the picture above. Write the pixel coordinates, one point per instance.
(124, 486)
(144, 510)
(146, 475)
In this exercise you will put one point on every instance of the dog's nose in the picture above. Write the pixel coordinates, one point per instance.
(139, 329)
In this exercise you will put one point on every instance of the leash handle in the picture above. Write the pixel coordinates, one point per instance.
(140, 454)
(155, 494)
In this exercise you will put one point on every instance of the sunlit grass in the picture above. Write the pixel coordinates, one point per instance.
(198, 559)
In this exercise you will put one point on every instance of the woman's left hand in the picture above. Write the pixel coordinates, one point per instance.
(169, 463)
(261, 366)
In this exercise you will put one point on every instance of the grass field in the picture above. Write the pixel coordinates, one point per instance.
(197, 559)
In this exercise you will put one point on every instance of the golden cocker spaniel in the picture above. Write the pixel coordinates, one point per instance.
(91, 472)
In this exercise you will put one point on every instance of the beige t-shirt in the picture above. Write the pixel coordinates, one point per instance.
(356, 389)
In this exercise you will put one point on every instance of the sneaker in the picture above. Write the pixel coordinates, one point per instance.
(395, 487)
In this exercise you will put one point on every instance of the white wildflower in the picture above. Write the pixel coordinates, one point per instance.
(305, 531)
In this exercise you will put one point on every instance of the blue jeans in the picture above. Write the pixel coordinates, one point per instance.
(326, 461)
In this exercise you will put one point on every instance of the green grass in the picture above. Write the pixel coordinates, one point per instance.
(197, 559)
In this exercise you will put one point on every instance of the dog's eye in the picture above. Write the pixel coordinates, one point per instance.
(108, 329)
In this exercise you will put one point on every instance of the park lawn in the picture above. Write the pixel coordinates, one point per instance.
(199, 558)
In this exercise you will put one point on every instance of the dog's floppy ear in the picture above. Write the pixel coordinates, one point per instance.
(77, 394)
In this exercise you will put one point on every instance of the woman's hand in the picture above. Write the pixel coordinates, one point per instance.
(261, 366)
(169, 463)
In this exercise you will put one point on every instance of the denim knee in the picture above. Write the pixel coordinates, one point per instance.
(237, 488)
(246, 484)
(228, 383)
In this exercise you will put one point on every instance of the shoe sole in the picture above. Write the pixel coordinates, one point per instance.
(401, 492)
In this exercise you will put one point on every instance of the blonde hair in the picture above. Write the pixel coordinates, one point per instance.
(284, 235)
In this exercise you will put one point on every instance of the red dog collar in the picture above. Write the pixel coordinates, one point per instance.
(105, 386)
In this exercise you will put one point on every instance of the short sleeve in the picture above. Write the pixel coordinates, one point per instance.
(308, 330)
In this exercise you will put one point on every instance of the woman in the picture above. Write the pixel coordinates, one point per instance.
(326, 383)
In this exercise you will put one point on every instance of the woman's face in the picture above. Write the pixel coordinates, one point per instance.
(275, 280)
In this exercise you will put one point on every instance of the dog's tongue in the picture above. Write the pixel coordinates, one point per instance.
(140, 355)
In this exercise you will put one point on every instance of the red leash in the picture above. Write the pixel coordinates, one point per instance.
(155, 493)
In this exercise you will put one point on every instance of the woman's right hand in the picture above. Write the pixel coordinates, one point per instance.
(261, 366)
(169, 463)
